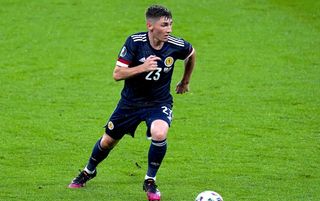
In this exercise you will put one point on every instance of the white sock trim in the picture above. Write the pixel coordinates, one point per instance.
(147, 177)
(89, 171)
(159, 144)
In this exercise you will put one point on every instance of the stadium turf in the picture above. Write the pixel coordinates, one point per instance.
(249, 128)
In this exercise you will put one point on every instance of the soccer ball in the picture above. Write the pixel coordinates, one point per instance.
(209, 196)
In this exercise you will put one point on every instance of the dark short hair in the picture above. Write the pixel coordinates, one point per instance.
(158, 11)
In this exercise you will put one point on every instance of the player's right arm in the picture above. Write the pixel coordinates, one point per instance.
(125, 72)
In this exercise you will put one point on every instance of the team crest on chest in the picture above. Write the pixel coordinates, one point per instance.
(168, 62)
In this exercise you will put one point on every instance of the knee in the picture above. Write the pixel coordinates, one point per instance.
(159, 135)
(107, 142)
(159, 130)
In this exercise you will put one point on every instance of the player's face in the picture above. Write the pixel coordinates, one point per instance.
(161, 28)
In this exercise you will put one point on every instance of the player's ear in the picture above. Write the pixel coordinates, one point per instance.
(149, 25)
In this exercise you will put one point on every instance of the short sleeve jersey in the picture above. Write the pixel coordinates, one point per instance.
(150, 88)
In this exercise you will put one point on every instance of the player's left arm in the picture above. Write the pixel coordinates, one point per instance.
(189, 63)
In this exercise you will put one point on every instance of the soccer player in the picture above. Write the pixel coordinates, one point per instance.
(145, 63)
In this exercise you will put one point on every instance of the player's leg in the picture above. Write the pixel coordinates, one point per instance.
(158, 146)
(123, 120)
(157, 151)
(158, 126)
(100, 151)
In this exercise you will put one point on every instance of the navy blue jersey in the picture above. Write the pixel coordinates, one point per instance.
(150, 88)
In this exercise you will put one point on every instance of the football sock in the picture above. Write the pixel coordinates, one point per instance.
(98, 154)
(157, 151)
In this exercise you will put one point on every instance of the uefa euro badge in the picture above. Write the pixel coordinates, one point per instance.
(123, 51)
(110, 125)
(168, 63)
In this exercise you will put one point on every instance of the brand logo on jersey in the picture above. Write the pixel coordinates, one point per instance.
(168, 61)
(123, 51)
(110, 125)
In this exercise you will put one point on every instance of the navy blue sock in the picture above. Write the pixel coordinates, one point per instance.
(156, 154)
(98, 154)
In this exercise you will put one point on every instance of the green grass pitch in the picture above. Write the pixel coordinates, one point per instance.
(249, 128)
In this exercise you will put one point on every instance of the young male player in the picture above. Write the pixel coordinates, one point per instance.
(145, 63)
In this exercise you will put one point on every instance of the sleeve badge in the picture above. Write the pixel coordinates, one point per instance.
(123, 52)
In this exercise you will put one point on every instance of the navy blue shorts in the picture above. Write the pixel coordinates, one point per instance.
(125, 119)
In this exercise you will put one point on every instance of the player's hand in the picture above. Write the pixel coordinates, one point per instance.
(151, 64)
(182, 88)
